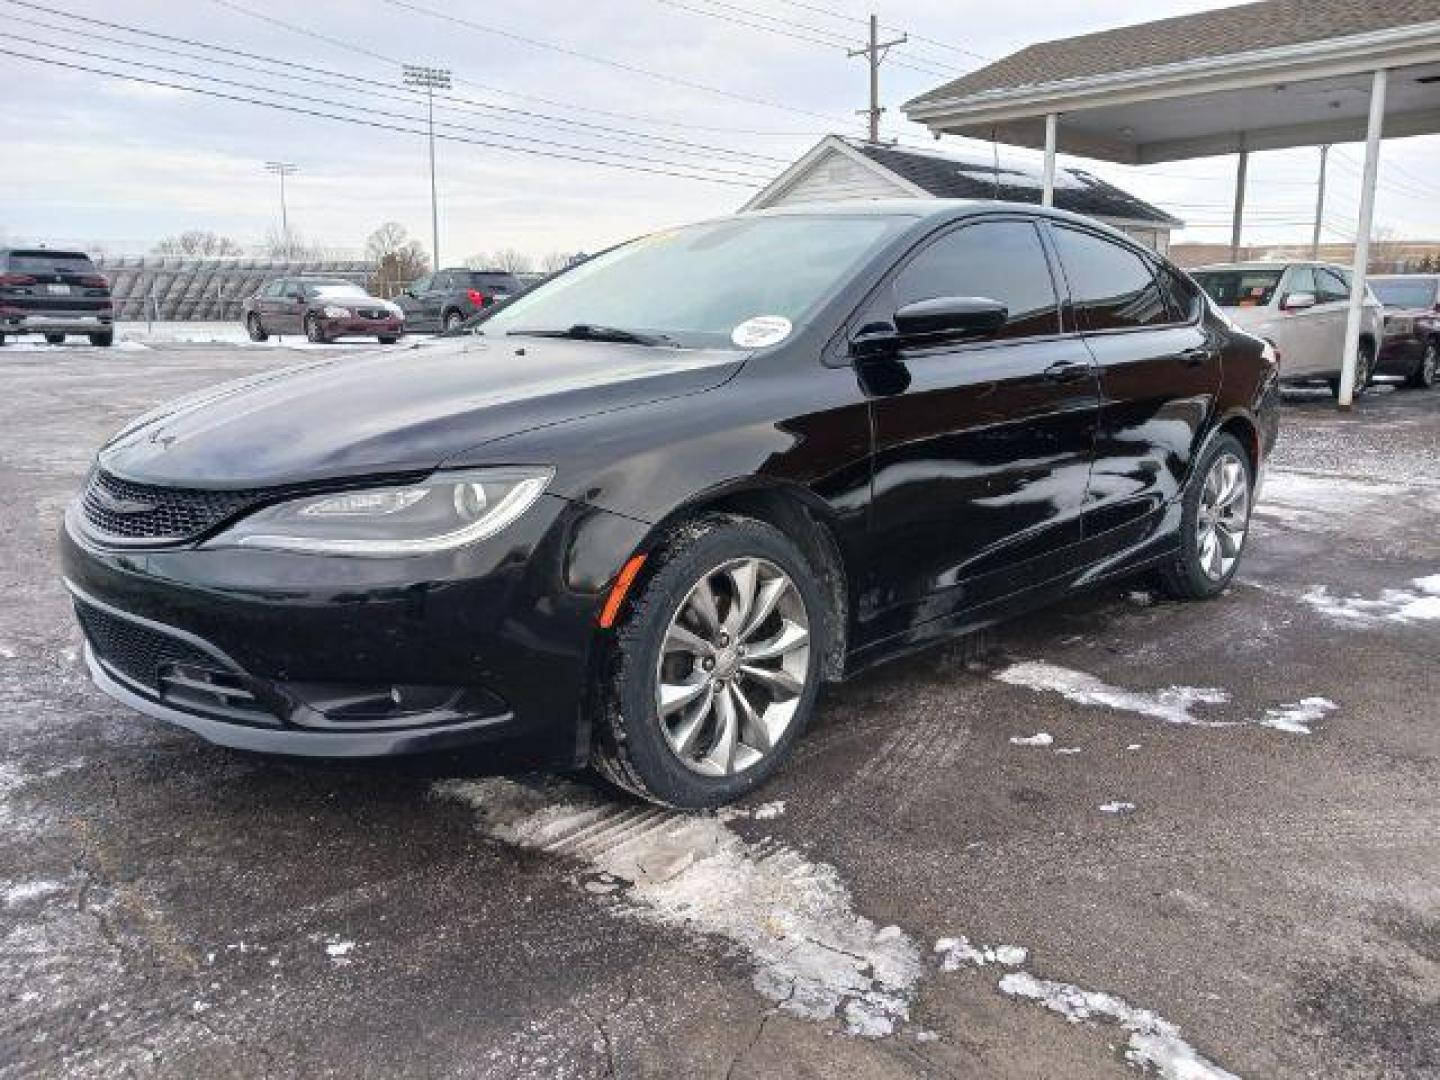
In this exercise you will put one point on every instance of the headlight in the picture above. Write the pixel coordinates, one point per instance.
(395, 309)
(332, 312)
(442, 512)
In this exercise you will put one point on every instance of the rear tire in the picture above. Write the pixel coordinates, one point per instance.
(255, 328)
(1423, 377)
(1364, 369)
(452, 320)
(1214, 523)
(313, 333)
(387, 339)
(55, 339)
(729, 736)
(103, 340)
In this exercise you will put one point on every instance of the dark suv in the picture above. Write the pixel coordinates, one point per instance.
(54, 293)
(444, 300)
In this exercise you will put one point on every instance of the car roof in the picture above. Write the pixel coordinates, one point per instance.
(1267, 264)
(1403, 277)
(43, 252)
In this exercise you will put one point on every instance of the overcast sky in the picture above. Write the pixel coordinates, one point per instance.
(124, 163)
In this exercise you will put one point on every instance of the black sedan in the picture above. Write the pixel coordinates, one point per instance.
(636, 517)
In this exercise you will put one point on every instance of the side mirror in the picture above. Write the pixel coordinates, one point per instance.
(1298, 301)
(950, 317)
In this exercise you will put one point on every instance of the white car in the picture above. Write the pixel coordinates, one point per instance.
(1300, 308)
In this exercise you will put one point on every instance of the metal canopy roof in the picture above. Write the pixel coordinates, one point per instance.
(1181, 98)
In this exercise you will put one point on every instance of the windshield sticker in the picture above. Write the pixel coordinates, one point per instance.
(761, 331)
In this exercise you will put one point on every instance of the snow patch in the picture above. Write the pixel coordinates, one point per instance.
(1174, 705)
(30, 890)
(1418, 604)
(954, 952)
(338, 950)
(1042, 738)
(1154, 1042)
(1067, 750)
(1117, 807)
(767, 811)
(813, 955)
(1297, 717)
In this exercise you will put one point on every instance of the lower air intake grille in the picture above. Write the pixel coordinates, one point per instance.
(134, 650)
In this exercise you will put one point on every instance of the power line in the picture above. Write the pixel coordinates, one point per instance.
(373, 109)
(832, 40)
(885, 26)
(628, 167)
(618, 134)
(450, 18)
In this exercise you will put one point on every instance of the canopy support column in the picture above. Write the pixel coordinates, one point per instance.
(1362, 238)
(1242, 163)
(1052, 124)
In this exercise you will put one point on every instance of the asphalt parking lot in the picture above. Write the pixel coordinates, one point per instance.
(1125, 835)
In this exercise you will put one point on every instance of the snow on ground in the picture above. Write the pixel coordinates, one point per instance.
(1042, 738)
(954, 952)
(1154, 1043)
(1417, 604)
(1174, 705)
(1117, 807)
(814, 956)
(1297, 717)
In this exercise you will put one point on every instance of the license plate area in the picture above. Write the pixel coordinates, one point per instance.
(58, 290)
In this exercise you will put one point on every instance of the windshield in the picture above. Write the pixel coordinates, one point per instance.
(51, 262)
(1239, 288)
(327, 292)
(744, 282)
(1405, 293)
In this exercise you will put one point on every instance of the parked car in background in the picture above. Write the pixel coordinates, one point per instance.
(444, 300)
(54, 293)
(1300, 308)
(323, 309)
(740, 459)
(1411, 346)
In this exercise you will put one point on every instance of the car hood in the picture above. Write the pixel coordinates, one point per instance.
(397, 411)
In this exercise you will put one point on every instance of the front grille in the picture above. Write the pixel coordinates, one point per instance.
(134, 650)
(120, 509)
(371, 313)
(171, 669)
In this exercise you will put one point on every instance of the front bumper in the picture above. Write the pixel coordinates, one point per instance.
(56, 322)
(394, 325)
(348, 657)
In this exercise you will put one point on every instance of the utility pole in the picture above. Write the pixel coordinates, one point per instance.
(430, 79)
(874, 53)
(1319, 203)
(283, 169)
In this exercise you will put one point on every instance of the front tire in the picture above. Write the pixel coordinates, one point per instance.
(387, 339)
(1423, 377)
(453, 319)
(715, 666)
(313, 332)
(55, 339)
(255, 328)
(1214, 523)
(103, 340)
(1364, 368)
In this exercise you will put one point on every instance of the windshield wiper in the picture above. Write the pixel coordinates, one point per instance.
(592, 332)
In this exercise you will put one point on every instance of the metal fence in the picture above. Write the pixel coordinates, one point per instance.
(166, 288)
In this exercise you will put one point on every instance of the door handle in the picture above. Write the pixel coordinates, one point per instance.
(1196, 357)
(1067, 370)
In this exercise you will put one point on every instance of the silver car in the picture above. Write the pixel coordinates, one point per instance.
(1300, 308)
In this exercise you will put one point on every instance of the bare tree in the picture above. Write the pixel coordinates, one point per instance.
(280, 244)
(516, 262)
(556, 260)
(398, 258)
(197, 242)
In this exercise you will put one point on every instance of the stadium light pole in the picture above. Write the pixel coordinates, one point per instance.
(283, 169)
(430, 79)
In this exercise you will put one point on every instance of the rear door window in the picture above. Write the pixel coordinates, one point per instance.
(1331, 287)
(1182, 297)
(998, 260)
(1301, 280)
(1111, 287)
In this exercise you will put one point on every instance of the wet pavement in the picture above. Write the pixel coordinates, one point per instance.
(1225, 857)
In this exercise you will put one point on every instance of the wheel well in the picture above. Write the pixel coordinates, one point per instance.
(1249, 437)
(789, 513)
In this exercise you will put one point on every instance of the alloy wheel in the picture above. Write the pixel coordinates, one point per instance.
(1428, 364)
(453, 320)
(312, 329)
(1224, 516)
(733, 667)
(1362, 371)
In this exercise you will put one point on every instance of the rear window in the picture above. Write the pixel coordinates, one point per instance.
(500, 283)
(51, 262)
(1239, 288)
(1400, 293)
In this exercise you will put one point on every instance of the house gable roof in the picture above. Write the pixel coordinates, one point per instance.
(947, 176)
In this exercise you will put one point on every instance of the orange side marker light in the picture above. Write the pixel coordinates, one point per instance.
(623, 581)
